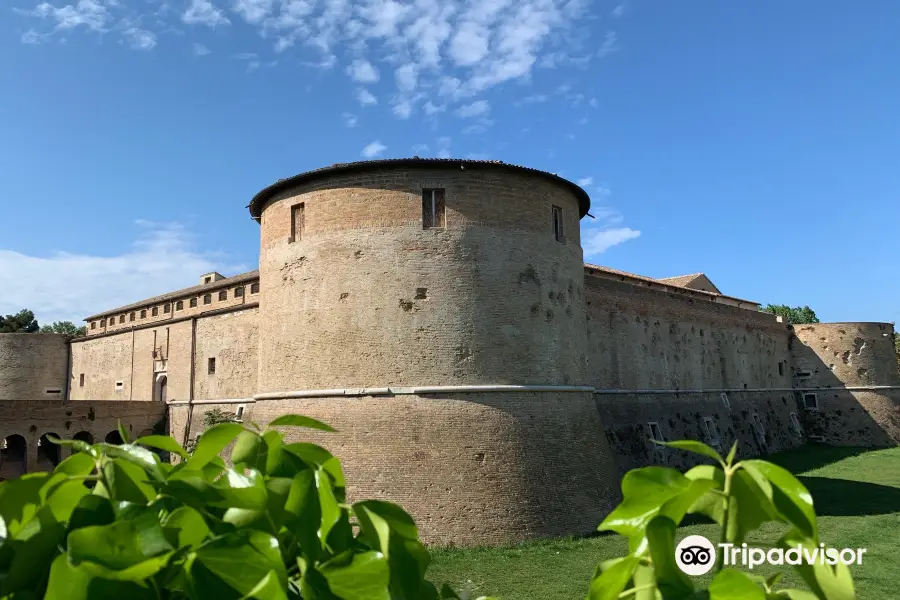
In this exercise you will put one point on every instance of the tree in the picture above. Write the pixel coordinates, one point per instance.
(21, 322)
(65, 327)
(793, 315)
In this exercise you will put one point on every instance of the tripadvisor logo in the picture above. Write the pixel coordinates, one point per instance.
(696, 555)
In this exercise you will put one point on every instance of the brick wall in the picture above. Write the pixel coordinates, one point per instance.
(33, 365)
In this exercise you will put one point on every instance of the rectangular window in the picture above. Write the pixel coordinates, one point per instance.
(223, 295)
(297, 217)
(240, 412)
(167, 308)
(154, 311)
(712, 430)
(143, 313)
(254, 288)
(781, 367)
(52, 392)
(655, 432)
(433, 209)
(207, 279)
(803, 374)
(238, 291)
(121, 318)
(725, 401)
(131, 316)
(811, 401)
(193, 303)
(795, 423)
(558, 224)
(102, 322)
(757, 422)
(207, 299)
(81, 380)
(93, 324)
(179, 305)
(211, 366)
(120, 385)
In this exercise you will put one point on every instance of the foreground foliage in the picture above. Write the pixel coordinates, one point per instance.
(739, 497)
(114, 521)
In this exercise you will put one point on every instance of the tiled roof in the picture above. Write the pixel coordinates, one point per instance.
(674, 286)
(204, 287)
(680, 280)
(256, 204)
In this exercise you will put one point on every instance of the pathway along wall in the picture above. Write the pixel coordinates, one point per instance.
(829, 358)
(361, 295)
(33, 366)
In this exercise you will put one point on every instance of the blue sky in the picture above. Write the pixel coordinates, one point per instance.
(757, 142)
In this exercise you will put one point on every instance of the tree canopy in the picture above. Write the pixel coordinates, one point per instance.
(65, 327)
(793, 315)
(21, 322)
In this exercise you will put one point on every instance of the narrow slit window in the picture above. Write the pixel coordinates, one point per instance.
(804, 374)
(433, 211)
(240, 412)
(781, 367)
(558, 224)
(211, 366)
(725, 402)
(81, 380)
(795, 423)
(712, 430)
(759, 425)
(297, 218)
(655, 432)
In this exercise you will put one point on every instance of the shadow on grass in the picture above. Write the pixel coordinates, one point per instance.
(814, 456)
(844, 498)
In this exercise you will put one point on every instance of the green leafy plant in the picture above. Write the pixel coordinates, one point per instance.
(211, 418)
(274, 525)
(739, 497)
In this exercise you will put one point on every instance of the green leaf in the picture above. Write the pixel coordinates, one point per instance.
(65, 498)
(213, 441)
(122, 432)
(20, 498)
(331, 512)
(68, 582)
(76, 465)
(827, 582)
(612, 577)
(374, 528)
(644, 491)
(250, 450)
(672, 582)
(267, 589)
(132, 549)
(127, 482)
(794, 595)
(729, 460)
(76, 445)
(362, 576)
(34, 547)
(695, 447)
(790, 498)
(231, 566)
(397, 519)
(751, 506)
(185, 527)
(730, 584)
(299, 421)
(236, 490)
(91, 511)
(303, 514)
(162, 442)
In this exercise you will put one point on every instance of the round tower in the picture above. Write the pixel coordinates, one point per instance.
(33, 366)
(847, 378)
(400, 301)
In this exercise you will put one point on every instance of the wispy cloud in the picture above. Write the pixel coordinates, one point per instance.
(475, 109)
(139, 39)
(71, 286)
(533, 99)
(365, 97)
(610, 44)
(604, 231)
(91, 14)
(200, 50)
(253, 11)
(619, 10)
(363, 71)
(350, 120)
(373, 149)
(585, 181)
(203, 12)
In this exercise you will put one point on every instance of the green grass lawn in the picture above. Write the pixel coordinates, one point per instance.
(856, 494)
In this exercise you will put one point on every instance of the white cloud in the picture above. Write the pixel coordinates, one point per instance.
(533, 99)
(619, 10)
(470, 44)
(407, 77)
(419, 149)
(67, 286)
(597, 241)
(139, 39)
(350, 120)
(203, 12)
(610, 44)
(432, 109)
(363, 71)
(365, 97)
(585, 181)
(253, 11)
(201, 50)
(374, 149)
(593, 103)
(604, 231)
(31, 37)
(475, 109)
(602, 190)
(90, 13)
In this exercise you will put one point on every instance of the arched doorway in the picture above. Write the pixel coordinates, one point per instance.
(113, 437)
(48, 452)
(84, 436)
(160, 388)
(13, 457)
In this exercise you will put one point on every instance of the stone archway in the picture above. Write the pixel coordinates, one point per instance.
(84, 436)
(113, 437)
(48, 453)
(13, 457)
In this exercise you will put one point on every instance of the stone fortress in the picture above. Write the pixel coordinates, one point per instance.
(438, 313)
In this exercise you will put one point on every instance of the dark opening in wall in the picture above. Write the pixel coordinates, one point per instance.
(433, 210)
(207, 279)
(238, 291)
(211, 366)
(193, 303)
(223, 295)
(254, 288)
(154, 311)
(656, 432)
(207, 299)
(781, 367)
(81, 380)
(93, 324)
(297, 222)
(131, 316)
(179, 305)
(811, 401)
(121, 318)
(558, 224)
(144, 313)
(167, 308)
